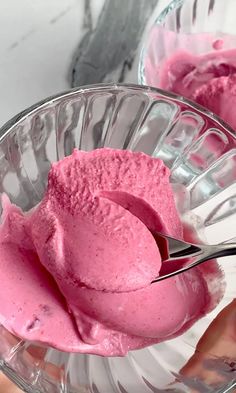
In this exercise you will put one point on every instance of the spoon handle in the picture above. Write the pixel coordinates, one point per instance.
(220, 250)
(192, 256)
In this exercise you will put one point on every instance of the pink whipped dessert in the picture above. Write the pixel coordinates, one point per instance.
(76, 270)
(209, 80)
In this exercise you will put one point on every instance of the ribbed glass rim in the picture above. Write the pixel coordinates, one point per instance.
(172, 6)
(16, 120)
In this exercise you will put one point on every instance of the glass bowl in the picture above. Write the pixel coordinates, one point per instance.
(195, 26)
(200, 151)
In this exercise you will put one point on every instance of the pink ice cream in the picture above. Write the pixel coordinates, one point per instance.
(209, 80)
(76, 270)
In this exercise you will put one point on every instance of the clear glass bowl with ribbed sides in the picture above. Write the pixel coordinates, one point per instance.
(197, 27)
(200, 151)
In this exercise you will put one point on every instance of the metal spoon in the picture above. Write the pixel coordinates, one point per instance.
(184, 256)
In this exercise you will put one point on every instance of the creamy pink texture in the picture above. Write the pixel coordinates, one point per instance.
(76, 270)
(209, 80)
(99, 225)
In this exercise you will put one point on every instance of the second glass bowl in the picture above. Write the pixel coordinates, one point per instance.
(196, 26)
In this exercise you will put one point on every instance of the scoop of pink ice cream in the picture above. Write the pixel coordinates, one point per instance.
(76, 270)
(219, 96)
(209, 80)
(93, 227)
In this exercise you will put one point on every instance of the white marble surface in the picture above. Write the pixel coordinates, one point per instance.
(38, 40)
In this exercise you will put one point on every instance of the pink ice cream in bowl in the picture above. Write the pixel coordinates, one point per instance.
(87, 178)
(191, 50)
